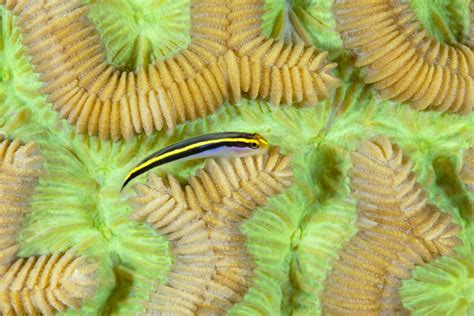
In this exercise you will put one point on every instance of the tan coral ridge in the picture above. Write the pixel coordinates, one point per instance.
(397, 231)
(467, 170)
(402, 62)
(20, 167)
(212, 269)
(34, 285)
(47, 284)
(228, 56)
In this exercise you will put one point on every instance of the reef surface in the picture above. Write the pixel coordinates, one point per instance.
(275, 234)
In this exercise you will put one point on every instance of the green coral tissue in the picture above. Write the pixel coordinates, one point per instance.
(94, 86)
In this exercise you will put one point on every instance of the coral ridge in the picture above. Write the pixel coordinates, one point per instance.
(402, 62)
(228, 56)
(33, 285)
(20, 167)
(398, 230)
(46, 284)
(212, 269)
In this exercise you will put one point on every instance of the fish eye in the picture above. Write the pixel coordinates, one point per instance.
(254, 145)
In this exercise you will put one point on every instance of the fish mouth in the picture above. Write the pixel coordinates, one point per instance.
(263, 142)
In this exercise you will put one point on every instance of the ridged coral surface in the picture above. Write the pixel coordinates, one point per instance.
(403, 62)
(20, 167)
(212, 269)
(89, 88)
(101, 100)
(397, 231)
(46, 285)
(29, 286)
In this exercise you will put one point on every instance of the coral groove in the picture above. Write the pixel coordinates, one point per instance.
(20, 167)
(467, 171)
(287, 20)
(402, 62)
(138, 33)
(46, 284)
(228, 56)
(201, 219)
(397, 231)
(425, 294)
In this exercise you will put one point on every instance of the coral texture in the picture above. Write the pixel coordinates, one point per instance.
(289, 19)
(140, 32)
(228, 55)
(212, 269)
(404, 64)
(20, 167)
(46, 284)
(397, 231)
(445, 287)
(285, 248)
(467, 171)
(34, 285)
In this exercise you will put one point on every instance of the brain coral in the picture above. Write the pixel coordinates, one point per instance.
(88, 88)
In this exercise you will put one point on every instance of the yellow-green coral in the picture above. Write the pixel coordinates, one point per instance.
(137, 33)
(444, 287)
(308, 20)
(292, 240)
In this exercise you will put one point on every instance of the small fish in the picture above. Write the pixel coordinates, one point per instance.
(225, 144)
